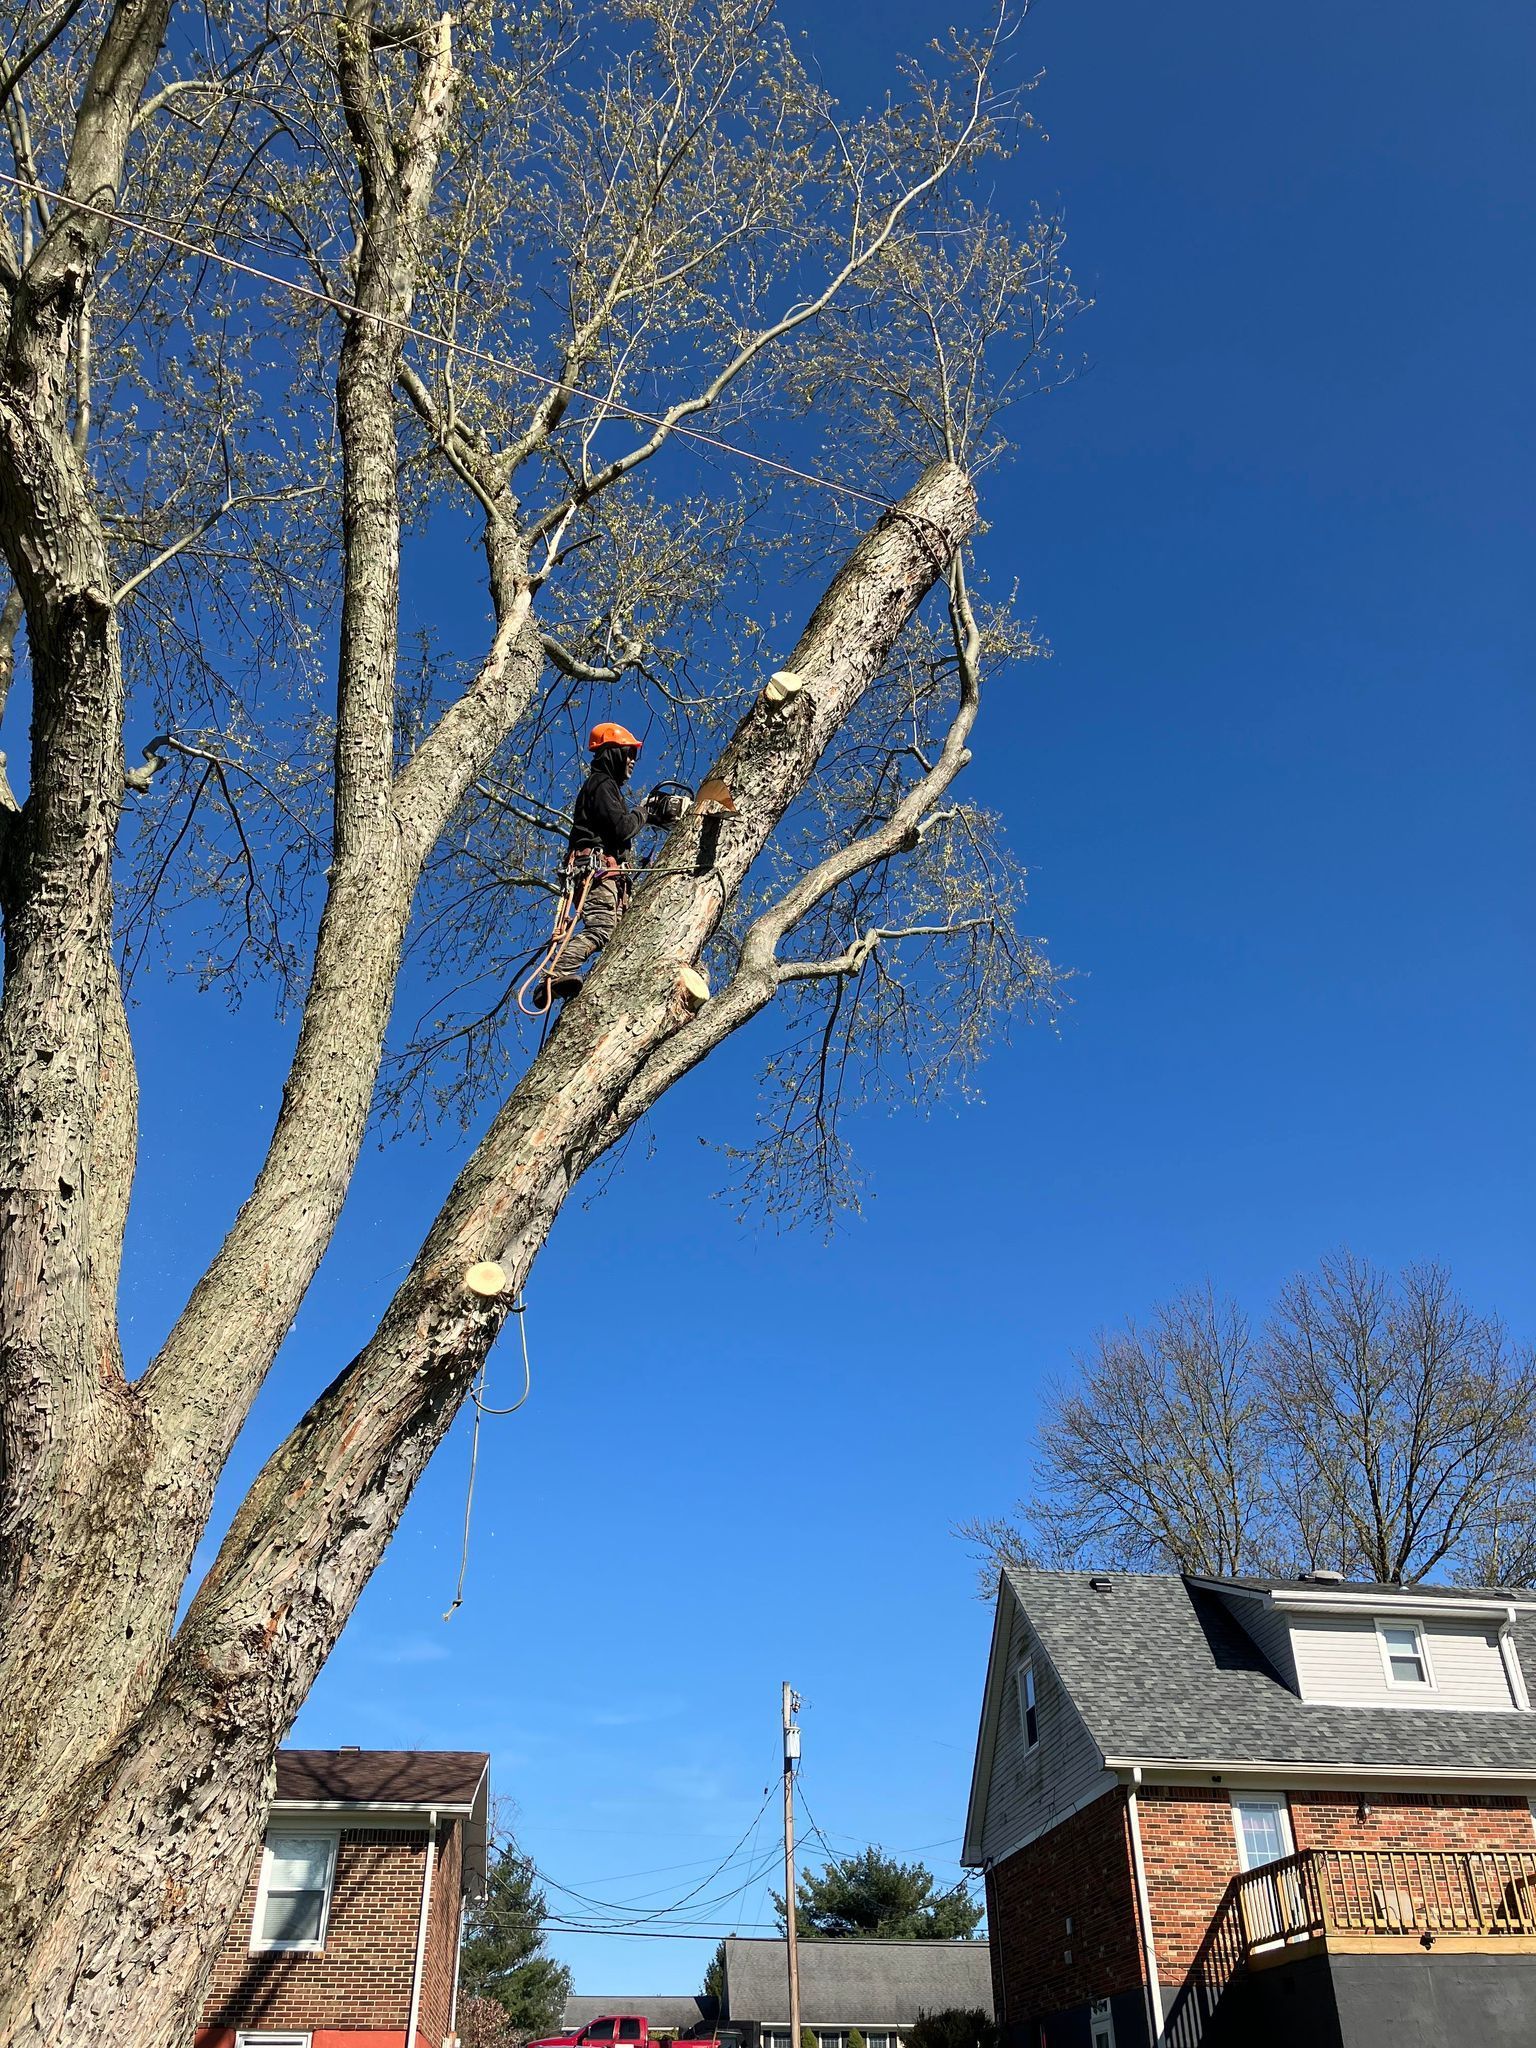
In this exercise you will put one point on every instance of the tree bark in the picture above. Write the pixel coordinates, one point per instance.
(157, 1839)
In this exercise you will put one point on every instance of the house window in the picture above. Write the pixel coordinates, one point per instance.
(293, 1898)
(882, 2040)
(1404, 1653)
(271, 2041)
(1029, 1718)
(1263, 1829)
(773, 2037)
(825, 2039)
(1101, 2025)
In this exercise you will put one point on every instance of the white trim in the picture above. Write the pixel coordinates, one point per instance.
(1144, 1903)
(307, 1948)
(1029, 1702)
(1351, 1600)
(1200, 1770)
(1102, 1786)
(1412, 1698)
(1404, 1624)
(427, 1869)
(986, 1734)
(281, 2037)
(1260, 1795)
(1509, 1652)
(413, 1809)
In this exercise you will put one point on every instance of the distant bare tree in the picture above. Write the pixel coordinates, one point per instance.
(1402, 1417)
(1375, 1426)
(1146, 1456)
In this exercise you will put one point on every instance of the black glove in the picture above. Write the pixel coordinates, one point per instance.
(665, 806)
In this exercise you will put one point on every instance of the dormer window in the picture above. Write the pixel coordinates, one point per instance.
(1029, 1719)
(1404, 1654)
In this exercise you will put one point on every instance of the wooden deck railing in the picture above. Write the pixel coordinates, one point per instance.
(1387, 1894)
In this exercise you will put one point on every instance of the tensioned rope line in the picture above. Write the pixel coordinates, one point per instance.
(456, 348)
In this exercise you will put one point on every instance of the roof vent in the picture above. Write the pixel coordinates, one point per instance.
(1320, 1577)
(1100, 1585)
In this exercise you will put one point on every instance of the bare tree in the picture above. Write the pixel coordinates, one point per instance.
(1146, 1458)
(1374, 1426)
(1405, 1419)
(282, 291)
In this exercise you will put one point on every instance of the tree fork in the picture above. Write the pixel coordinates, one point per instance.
(147, 1886)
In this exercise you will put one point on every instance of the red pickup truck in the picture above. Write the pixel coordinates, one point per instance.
(623, 2030)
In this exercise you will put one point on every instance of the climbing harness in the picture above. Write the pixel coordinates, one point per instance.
(477, 1395)
(578, 873)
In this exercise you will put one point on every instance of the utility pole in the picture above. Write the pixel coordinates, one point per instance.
(791, 1758)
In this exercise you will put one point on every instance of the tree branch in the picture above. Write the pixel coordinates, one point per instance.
(301, 1547)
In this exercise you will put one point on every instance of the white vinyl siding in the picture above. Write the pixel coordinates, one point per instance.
(1271, 1630)
(1339, 1658)
(1031, 1789)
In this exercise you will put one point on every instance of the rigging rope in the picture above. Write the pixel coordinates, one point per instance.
(482, 1408)
(467, 350)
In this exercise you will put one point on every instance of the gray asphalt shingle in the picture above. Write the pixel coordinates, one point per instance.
(1162, 1672)
(857, 1983)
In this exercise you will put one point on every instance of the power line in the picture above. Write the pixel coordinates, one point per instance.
(667, 1933)
(660, 1912)
(467, 350)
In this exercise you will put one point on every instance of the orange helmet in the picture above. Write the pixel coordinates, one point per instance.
(610, 735)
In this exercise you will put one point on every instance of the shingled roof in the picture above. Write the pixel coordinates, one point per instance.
(454, 1782)
(856, 1983)
(373, 1777)
(1162, 1672)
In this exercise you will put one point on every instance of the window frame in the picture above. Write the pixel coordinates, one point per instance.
(261, 1947)
(1029, 1704)
(1255, 1795)
(279, 2038)
(1421, 1636)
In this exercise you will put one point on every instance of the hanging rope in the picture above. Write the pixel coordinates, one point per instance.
(568, 913)
(477, 1394)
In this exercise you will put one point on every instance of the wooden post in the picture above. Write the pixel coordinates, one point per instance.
(791, 1754)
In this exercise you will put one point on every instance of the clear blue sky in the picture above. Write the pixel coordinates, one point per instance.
(1275, 790)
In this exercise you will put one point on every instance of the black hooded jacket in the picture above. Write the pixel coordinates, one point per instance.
(601, 818)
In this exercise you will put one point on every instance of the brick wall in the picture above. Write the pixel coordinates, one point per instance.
(442, 1936)
(362, 1979)
(1410, 1820)
(1080, 1871)
(1190, 1847)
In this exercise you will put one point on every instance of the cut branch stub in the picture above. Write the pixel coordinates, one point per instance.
(487, 1279)
(784, 686)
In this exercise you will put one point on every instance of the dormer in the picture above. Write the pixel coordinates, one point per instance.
(1339, 1644)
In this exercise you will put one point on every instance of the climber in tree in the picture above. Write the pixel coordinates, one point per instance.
(596, 868)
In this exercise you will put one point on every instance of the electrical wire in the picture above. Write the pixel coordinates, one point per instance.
(688, 1897)
(453, 348)
(840, 1863)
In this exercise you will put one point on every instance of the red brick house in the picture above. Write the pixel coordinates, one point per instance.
(348, 1934)
(1255, 1812)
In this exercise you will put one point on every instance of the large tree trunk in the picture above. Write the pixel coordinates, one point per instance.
(139, 1863)
(76, 1532)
